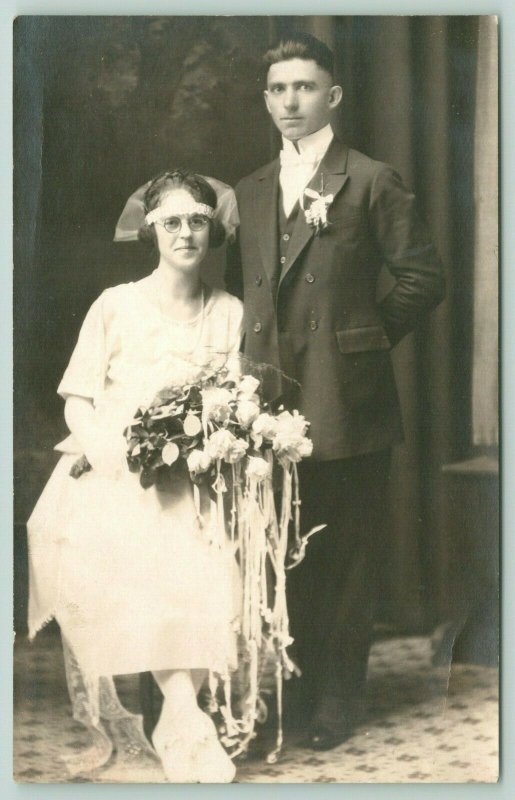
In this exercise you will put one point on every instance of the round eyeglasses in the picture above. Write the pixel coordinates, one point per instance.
(196, 222)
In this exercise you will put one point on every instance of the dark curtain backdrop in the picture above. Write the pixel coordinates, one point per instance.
(101, 104)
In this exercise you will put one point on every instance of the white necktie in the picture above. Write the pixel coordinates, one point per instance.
(296, 170)
(290, 158)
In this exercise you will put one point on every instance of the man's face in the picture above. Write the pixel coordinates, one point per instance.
(300, 97)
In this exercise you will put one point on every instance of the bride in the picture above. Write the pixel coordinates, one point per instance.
(128, 573)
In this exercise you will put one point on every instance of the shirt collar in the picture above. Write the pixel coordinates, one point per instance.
(317, 142)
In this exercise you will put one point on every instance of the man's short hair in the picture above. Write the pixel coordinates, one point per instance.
(300, 45)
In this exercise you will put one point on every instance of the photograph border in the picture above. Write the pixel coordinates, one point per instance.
(506, 786)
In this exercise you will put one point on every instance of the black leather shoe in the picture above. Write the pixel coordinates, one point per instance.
(325, 739)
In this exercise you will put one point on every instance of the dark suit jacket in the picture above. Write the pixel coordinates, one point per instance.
(318, 320)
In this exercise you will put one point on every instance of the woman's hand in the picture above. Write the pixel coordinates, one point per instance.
(104, 447)
(106, 454)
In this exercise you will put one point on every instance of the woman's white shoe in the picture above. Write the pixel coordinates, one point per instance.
(175, 752)
(189, 750)
(213, 763)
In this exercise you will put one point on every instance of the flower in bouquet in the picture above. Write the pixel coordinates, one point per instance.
(223, 444)
(199, 461)
(248, 386)
(290, 442)
(258, 468)
(264, 427)
(216, 403)
(288, 422)
(246, 412)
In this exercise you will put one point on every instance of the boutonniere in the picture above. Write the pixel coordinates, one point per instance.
(316, 212)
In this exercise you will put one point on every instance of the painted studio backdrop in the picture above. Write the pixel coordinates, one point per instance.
(102, 104)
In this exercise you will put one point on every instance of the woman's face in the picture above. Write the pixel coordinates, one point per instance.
(183, 248)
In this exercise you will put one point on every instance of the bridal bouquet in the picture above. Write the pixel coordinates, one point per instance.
(237, 451)
(228, 439)
(211, 424)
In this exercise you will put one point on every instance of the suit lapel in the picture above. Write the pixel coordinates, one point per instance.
(332, 168)
(266, 217)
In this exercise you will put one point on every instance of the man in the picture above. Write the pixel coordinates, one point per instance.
(316, 227)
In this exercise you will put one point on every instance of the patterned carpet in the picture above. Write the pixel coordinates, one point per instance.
(423, 725)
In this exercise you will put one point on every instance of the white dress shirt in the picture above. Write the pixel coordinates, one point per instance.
(297, 168)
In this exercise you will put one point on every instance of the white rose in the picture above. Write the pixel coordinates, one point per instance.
(257, 468)
(198, 461)
(216, 403)
(248, 386)
(290, 446)
(265, 425)
(223, 444)
(291, 423)
(218, 443)
(246, 412)
(236, 451)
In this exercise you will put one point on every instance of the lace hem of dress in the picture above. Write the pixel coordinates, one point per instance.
(113, 729)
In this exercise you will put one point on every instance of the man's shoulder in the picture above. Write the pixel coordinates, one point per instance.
(258, 174)
(366, 166)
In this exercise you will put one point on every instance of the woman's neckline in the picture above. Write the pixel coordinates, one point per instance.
(207, 298)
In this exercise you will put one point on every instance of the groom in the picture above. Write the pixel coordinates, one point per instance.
(317, 224)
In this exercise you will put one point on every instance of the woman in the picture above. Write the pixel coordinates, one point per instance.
(128, 573)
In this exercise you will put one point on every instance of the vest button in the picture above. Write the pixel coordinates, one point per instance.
(257, 327)
(259, 280)
(282, 259)
(286, 237)
(313, 324)
(310, 278)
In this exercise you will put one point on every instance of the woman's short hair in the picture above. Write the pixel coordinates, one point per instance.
(300, 45)
(201, 191)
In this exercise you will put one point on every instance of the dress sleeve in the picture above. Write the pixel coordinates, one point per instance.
(234, 338)
(86, 371)
(235, 325)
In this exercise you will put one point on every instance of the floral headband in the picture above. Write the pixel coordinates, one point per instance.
(176, 207)
(133, 215)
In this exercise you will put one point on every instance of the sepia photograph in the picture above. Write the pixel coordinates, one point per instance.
(256, 415)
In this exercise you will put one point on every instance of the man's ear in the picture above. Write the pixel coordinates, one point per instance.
(265, 95)
(335, 96)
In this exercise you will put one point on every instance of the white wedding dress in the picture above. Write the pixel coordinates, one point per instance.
(129, 574)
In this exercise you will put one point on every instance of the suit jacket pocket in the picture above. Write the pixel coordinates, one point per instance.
(365, 368)
(358, 340)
